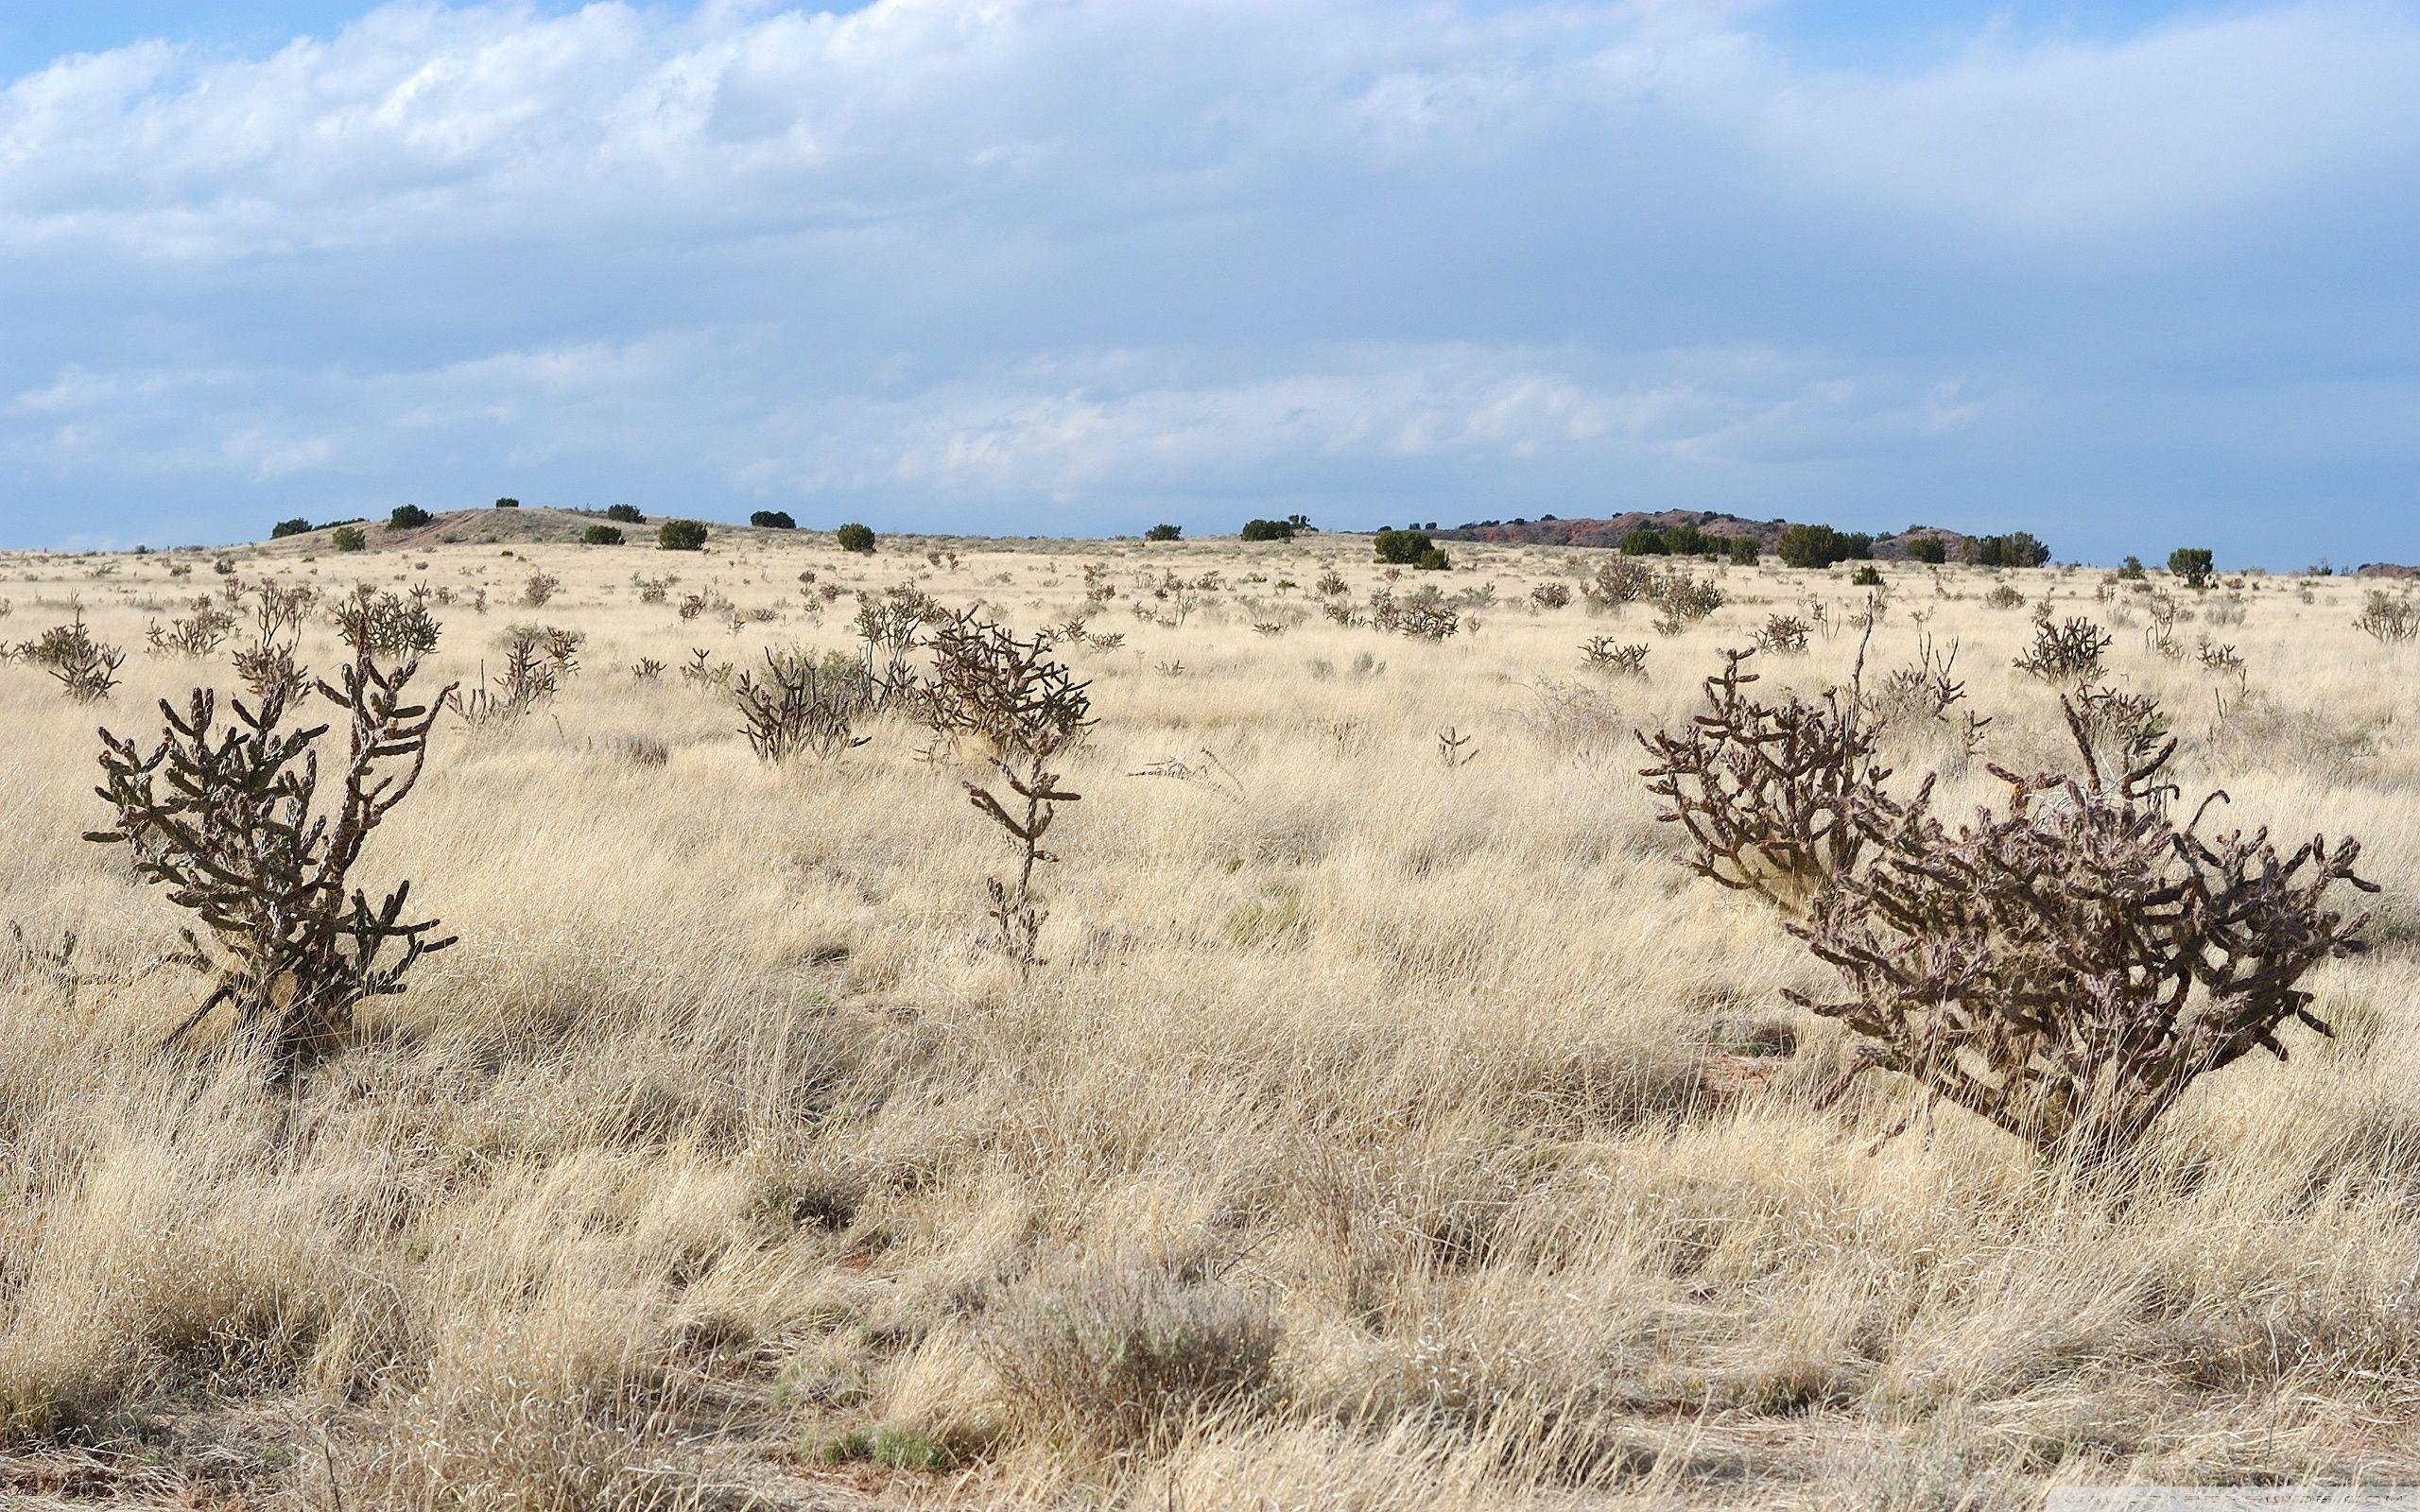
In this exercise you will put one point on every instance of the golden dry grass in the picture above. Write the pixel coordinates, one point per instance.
(1445, 1139)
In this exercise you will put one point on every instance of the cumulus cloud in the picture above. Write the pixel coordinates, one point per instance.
(1034, 264)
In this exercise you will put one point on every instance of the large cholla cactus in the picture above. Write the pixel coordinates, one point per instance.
(2068, 968)
(1777, 798)
(225, 819)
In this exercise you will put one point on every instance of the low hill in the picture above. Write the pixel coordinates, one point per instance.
(504, 528)
(1549, 530)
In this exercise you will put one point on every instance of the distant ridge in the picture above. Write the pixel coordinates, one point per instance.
(1608, 530)
(528, 526)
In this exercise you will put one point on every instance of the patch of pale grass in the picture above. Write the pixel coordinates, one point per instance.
(1381, 1135)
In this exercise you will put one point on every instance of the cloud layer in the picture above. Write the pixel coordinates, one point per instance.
(1044, 266)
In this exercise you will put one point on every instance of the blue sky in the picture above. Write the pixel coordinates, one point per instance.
(2126, 276)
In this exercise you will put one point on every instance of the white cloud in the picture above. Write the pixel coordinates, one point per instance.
(1028, 258)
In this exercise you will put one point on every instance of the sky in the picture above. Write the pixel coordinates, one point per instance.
(2126, 276)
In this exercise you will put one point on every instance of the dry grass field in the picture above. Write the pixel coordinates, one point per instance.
(1393, 1123)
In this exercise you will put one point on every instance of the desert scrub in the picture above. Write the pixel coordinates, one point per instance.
(1123, 1360)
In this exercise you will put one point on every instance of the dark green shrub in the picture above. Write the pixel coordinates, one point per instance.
(1403, 548)
(1269, 530)
(1868, 575)
(1645, 543)
(1741, 550)
(349, 538)
(601, 536)
(2018, 549)
(625, 514)
(284, 528)
(507, 504)
(2192, 565)
(2132, 571)
(1929, 549)
(1821, 546)
(680, 535)
(773, 520)
(1164, 533)
(1432, 561)
(854, 537)
(409, 517)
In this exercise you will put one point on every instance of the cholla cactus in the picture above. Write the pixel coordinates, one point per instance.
(1005, 690)
(1783, 635)
(225, 819)
(86, 669)
(2066, 970)
(1776, 799)
(803, 706)
(1027, 706)
(2069, 652)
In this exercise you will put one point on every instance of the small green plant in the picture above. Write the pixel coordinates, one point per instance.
(1930, 550)
(601, 536)
(1866, 576)
(625, 514)
(895, 1447)
(296, 526)
(680, 535)
(1165, 532)
(349, 538)
(854, 537)
(1268, 530)
(1401, 548)
(409, 517)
